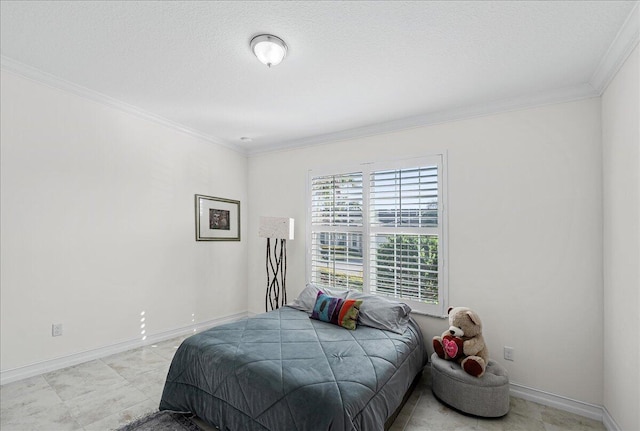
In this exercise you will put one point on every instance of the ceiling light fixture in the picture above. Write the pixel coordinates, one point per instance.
(269, 49)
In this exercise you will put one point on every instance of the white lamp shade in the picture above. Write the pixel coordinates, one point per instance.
(269, 49)
(276, 227)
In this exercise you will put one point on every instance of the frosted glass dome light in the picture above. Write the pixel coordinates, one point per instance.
(269, 49)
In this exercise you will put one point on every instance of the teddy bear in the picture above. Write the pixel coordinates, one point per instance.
(463, 341)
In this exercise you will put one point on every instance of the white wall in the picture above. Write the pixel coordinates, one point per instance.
(525, 229)
(621, 171)
(98, 225)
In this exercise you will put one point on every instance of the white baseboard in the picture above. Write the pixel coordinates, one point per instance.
(590, 411)
(609, 423)
(19, 373)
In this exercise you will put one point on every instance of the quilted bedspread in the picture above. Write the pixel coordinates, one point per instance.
(282, 371)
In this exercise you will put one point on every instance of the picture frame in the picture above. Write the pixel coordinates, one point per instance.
(217, 219)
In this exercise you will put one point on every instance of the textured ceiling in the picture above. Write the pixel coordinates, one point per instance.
(352, 67)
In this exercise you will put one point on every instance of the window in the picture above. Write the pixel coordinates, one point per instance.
(380, 228)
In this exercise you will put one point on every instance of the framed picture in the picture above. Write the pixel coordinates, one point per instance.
(217, 219)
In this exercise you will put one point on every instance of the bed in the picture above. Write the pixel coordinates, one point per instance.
(282, 370)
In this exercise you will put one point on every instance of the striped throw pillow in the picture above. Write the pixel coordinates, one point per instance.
(341, 312)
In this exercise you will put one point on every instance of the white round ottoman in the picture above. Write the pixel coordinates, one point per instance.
(487, 396)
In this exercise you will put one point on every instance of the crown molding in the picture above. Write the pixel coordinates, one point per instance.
(37, 75)
(621, 47)
(561, 95)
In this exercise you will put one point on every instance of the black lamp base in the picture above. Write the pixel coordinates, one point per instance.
(276, 295)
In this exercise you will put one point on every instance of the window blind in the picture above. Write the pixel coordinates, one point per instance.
(404, 197)
(337, 220)
(404, 233)
(379, 229)
(336, 200)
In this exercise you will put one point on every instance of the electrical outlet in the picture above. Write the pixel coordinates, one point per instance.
(508, 353)
(56, 329)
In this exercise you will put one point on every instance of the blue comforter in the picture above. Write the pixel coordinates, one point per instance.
(281, 371)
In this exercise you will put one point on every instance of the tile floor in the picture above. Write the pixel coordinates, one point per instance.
(107, 393)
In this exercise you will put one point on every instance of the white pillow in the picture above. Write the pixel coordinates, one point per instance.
(382, 313)
(376, 311)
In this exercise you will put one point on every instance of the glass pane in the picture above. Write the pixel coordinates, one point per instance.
(336, 200)
(404, 197)
(405, 266)
(336, 260)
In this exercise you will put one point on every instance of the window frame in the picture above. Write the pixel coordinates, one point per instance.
(440, 161)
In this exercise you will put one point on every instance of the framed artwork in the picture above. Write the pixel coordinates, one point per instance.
(217, 219)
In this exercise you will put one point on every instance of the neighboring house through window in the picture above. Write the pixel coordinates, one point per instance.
(381, 228)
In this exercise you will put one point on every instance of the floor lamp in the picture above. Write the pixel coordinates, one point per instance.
(280, 229)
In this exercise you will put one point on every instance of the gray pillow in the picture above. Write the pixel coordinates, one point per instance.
(307, 298)
(382, 313)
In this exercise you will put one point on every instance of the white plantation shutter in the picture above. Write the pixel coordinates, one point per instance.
(405, 266)
(337, 260)
(336, 238)
(336, 200)
(404, 197)
(403, 208)
(381, 229)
